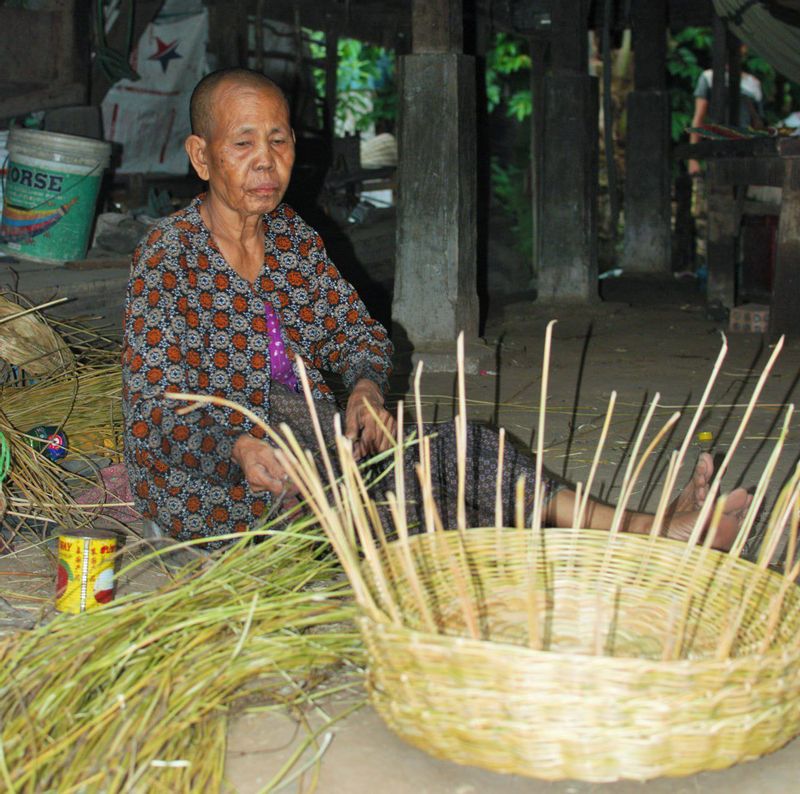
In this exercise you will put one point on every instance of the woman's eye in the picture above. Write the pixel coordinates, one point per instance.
(242, 143)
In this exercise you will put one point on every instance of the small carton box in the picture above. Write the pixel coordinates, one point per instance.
(752, 318)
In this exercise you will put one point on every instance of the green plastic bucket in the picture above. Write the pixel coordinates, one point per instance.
(51, 186)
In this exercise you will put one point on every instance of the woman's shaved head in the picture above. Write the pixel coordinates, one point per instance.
(201, 105)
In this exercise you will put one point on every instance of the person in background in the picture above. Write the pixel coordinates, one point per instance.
(751, 100)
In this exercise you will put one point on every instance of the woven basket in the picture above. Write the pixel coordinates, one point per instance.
(29, 342)
(625, 681)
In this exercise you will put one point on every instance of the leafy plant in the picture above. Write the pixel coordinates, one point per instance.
(684, 53)
(508, 189)
(507, 77)
(365, 82)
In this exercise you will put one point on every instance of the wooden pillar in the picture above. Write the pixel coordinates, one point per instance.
(647, 152)
(721, 241)
(734, 79)
(537, 52)
(331, 72)
(568, 268)
(784, 317)
(435, 294)
(719, 65)
(227, 32)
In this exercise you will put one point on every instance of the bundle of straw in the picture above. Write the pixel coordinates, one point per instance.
(86, 403)
(135, 696)
(568, 653)
(28, 342)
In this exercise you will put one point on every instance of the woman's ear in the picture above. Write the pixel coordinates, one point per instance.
(196, 149)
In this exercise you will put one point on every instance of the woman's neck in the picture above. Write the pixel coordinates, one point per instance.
(240, 238)
(227, 223)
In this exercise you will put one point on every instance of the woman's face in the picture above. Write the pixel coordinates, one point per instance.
(248, 153)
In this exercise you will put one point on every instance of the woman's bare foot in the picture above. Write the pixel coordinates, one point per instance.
(680, 524)
(683, 512)
(695, 492)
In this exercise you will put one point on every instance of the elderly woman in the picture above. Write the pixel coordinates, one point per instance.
(226, 294)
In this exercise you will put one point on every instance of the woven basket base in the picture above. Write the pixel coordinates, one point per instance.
(598, 703)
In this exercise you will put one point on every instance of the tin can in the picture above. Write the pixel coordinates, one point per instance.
(49, 441)
(85, 578)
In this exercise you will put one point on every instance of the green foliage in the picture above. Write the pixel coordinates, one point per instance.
(684, 67)
(508, 77)
(508, 190)
(689, 53)
(365, 81)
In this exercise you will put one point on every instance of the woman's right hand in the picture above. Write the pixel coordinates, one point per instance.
(260, 466)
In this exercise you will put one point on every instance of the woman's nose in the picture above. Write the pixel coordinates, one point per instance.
(264, 158)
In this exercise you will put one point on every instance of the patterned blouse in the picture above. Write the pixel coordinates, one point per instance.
(192, 324)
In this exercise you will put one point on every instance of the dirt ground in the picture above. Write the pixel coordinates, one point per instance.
(646, 337)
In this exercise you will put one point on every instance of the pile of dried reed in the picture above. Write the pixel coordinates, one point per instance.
(569, 653)
(85, 402)
(135, 696)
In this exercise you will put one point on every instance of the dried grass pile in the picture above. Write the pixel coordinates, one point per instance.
(65, 375)
(136, 696)
(85, 402)
(570, 653)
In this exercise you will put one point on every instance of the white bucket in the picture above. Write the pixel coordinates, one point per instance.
(51, 189)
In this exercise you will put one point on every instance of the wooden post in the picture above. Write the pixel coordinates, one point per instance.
(537, 52)
(331, 70)
(784, 316)
(647, 162)
(437, 26)
(719, 65)
(227, 32)
(258, 31)
(734, 79)
(568, 268)
(721, 241)
(435, 294)
(683, 250)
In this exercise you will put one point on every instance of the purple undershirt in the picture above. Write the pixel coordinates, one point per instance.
(280, 366)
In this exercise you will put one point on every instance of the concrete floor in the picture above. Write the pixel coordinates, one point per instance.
(646, 337)
(365, 757)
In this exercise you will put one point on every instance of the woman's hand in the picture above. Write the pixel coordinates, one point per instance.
(260, 466)
(361, 426)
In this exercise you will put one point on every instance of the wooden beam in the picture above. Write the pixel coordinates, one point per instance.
(719, 64)
(435, 293)
(649, 21)
(722, 234)
(784, 317)
(734, 78)
(227, 33)
(331, 71)
(569, 47)
(378, 22)
(437, 26)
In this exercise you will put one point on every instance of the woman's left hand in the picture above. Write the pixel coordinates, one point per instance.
(361, 427)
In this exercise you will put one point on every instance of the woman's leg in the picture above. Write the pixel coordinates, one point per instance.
(480, 476)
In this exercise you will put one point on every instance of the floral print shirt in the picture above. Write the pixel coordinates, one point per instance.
(192, 324)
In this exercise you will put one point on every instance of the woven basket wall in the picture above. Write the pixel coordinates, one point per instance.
(596, 701)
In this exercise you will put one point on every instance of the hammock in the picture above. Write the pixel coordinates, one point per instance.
(23, 224)
(773, 38)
